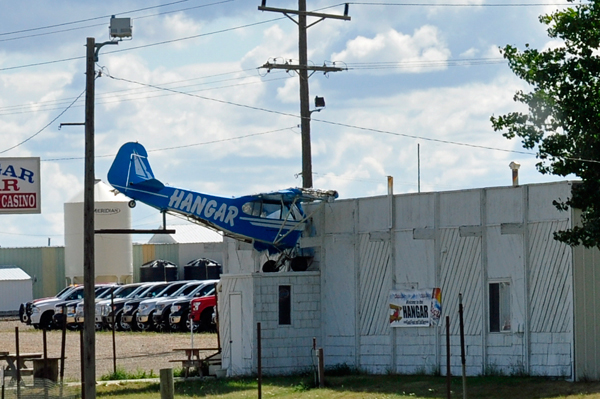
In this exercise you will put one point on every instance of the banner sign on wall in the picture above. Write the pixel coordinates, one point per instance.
(20, 185)
(415, 308)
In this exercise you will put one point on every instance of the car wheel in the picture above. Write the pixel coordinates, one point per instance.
(133, 325)
(46, 320)
(22, 314)
(191, 325)
(144, 326)
(121, 325)
(206, 323)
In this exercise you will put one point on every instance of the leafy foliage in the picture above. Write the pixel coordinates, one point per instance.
(563, 119)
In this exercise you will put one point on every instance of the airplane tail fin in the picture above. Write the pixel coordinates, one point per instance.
(131, 170)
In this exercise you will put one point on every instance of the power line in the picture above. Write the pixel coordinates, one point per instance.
(146, 45)
(104, 24)
(90, 19)
(181, 146)
(461, 4)
(44, 128)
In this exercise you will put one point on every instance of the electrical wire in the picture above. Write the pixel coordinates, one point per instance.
(460, 4)
(44, 128)
(179, 146)
(104, 24)
(91, 19)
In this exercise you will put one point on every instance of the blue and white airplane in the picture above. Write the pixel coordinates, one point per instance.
(272, 221)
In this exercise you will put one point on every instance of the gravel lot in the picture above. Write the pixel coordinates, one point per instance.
(135, 351)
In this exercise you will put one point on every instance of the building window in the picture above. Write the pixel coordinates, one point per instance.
(499, 307)
(285, 305)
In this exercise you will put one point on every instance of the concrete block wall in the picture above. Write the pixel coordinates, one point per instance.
(415, 350)
(551, 354)
(288, 348)
(376, 353)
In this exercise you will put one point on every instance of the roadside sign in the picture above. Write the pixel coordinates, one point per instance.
(20, 185)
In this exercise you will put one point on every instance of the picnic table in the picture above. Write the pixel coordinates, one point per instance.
(15, 361)
(192, 358)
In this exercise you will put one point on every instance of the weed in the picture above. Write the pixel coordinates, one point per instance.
(340, 370)
(122, 374)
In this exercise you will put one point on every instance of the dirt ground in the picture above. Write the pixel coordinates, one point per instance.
(135, 351)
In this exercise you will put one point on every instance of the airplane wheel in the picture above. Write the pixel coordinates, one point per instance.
(299, 264)
(132, 204)
(270, 266)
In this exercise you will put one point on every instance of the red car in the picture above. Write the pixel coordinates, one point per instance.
(201, 313)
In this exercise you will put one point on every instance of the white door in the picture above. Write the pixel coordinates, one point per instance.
(236, 328)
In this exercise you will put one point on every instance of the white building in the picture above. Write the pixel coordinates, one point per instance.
(530, 302)
(15, 288)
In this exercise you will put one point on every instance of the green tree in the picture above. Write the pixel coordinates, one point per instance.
(563, 119)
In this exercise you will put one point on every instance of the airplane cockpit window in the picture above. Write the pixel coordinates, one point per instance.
(252, 208)
(271, 210)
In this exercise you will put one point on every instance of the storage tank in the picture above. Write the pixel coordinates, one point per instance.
(158, 270)
(113, 252)
(202, 269)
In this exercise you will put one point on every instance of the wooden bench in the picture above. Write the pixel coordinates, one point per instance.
(193, 359)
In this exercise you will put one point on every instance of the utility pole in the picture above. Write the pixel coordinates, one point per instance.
(89, 332)
(302, 68)
(119, 28)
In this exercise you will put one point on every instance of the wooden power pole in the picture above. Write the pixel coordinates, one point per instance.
(303, 68)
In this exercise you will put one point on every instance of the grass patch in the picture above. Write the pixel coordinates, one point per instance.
(122, 374)
(364, 387)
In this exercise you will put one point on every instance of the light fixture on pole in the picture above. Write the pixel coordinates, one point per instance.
(119, 28)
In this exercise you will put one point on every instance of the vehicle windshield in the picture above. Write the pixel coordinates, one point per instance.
(67, 288)
(109, 290)
(170, 290)
(204, 290)
(65, 293)
(125, 291)
(186, 289)
(151, 291)
(136, 292)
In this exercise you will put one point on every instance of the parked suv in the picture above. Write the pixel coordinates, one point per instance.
(79, 314)
(183, 313)
(25, 308)
(201, 313)
(131, 306)
(42, 311)
(65, 312)
(146, 308)
(112, 309)
(103, 307)
(163, 307)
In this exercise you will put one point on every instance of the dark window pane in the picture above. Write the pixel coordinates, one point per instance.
(494, 307)
(285, 304)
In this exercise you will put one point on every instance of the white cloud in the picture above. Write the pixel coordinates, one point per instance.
(392, 46)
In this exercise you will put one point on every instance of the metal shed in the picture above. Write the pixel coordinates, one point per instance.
(15, 288)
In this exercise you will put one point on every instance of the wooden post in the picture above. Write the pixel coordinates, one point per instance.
(18, 361)
(114, 344)
(462, 347)
(167, 386)
(259, 359)
(82, 364)
(321, 369)
(63, 344)
(448, 366)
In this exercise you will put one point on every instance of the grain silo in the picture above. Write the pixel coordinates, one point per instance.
(113, 252)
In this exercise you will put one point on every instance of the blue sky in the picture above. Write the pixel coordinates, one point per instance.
(425, 74)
